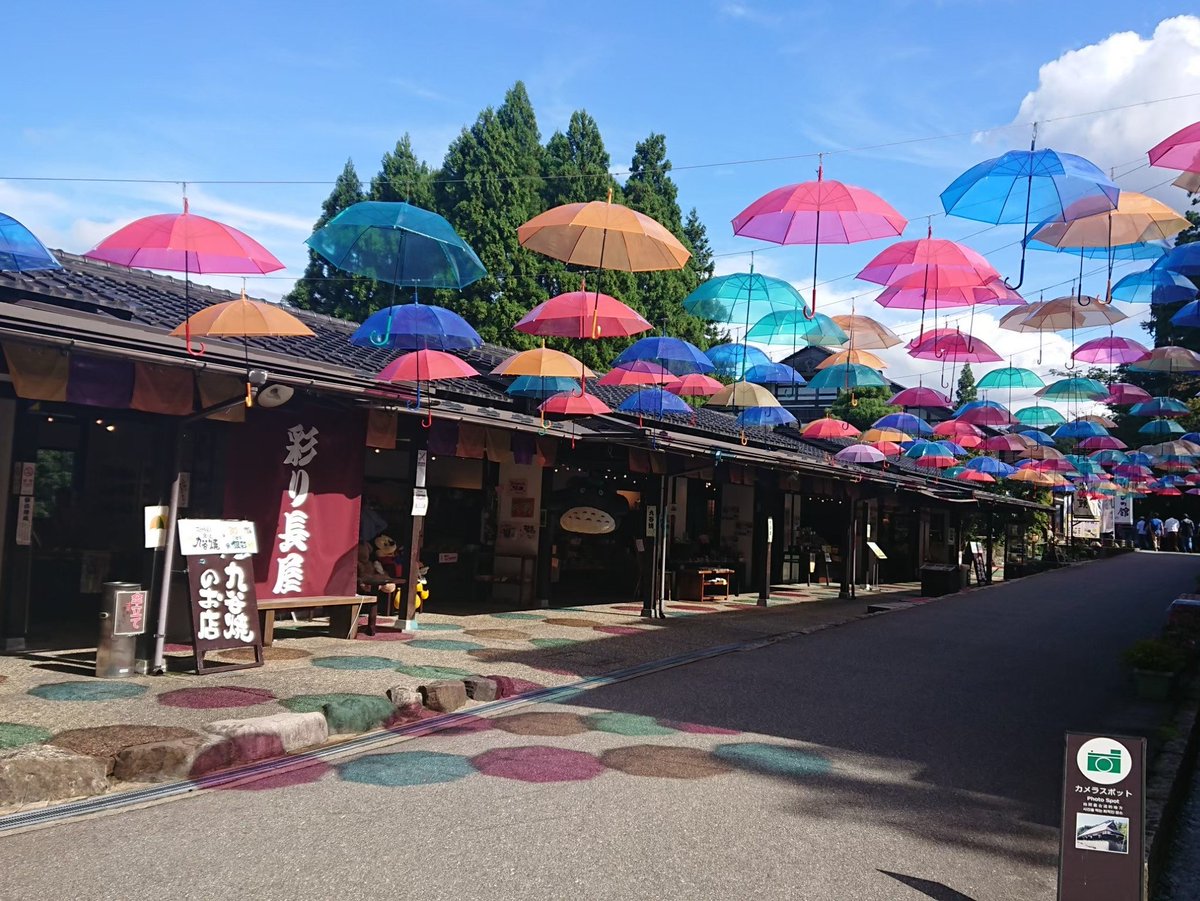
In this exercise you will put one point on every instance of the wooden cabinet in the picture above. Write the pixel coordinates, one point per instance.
(704, 584)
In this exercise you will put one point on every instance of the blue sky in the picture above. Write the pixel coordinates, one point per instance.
(288, 91)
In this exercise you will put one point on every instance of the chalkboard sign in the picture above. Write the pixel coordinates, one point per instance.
(980, 563)
(224, 608)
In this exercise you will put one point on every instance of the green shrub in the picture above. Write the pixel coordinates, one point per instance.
(1156, 655)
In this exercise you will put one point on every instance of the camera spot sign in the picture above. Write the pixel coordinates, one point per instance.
(1104, 761)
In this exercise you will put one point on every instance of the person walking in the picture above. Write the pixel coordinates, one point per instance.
(1171, 534)
(1187, 532)
(1156, 532)
(1142, 542)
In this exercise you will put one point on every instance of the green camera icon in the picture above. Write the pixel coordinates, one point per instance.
(1098, 762)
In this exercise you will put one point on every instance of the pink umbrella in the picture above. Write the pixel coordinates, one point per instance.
(887, 448)
(859, 453)
(956, 428)
(1109, 350)
(1102, 442)
(694, 384)
(638, 372)
(1123, 394)
(568, 403)
(920, 397)
(928, 263)
(1010, 443)
(968, 442)
(818, 212)
(828, 427)
(1180, 151)
(954, 346)
(973, 475)
(426, 366)
(935, 461)
(582, 314)
(907, 297)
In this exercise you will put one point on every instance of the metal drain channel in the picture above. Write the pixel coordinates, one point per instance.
(370, 741)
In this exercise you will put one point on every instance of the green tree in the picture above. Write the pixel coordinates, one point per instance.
(324, 288)
(489, 184)
(403, 177)
(967, 391)
(863, 406)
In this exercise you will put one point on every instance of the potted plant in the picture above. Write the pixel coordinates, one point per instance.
(1155, 663)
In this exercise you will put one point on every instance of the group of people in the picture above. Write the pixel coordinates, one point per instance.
(1170, 534)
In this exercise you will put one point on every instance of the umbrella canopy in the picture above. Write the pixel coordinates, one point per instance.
(876, 436)
(1188, 316)
(540, 386)
(399, 244)
(1160, 406)
(903, 422)
(742, 297)
(426, 366)
(244, 318)
(829, 427)
(732, 360)
(866, 333)
(953, 346)
(1102, 443)
(903, 297)
(1032, 476)
(1161, 428)
(1099, 420)
(653, 401)
(743, 394)
(603, 235)
(888, 448)
(953, 428)
(764, 417)
(1072, 312)
(1156, 285)
(1108, 456)
(675, 354)
(1010, 377)
(954, 450)
(774, 374)
(929, 454)
(861, 357)
(1074, 389)
(1122, 394)
(1169, 359)
(1014, 319)
(694, 384)
(1178, 448)
(990, 465)
(416, 326)
(859, 453)
(921, 398)
(1112, 349)
(1078, 429)
(1034, 436)
(1184, 259)
(1043, 452)
(847, 376)
(797, 327)
(544, 362)
(1039, 417)
(1178, 151)
(1136, 219)
(20, 250)
(974, 475)
(986, 416)
(639, 372)
(1007, 443)
(928, 263)
(583, 314)
(574, 403)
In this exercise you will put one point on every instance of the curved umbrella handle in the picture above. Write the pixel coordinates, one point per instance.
(196, 350)
(378, 339)
(743, 438)
(427, 422)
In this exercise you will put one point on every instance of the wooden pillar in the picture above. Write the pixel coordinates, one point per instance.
(764, 591)
(546, 538)
(416, 536)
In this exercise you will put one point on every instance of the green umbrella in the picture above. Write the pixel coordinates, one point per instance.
(1011, 377)
(1074, 389)
(1039, 417)
(846, 376)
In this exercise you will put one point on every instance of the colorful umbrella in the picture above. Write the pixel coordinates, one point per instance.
(243, 318)
(1006, 443)
(20, 250)
(1178, 151)
(859, 453)
(1155, 286)
(797, 328)
(903, 422)
(1169, 359)
(1102, 443)
(582, 314)
(954, 450)
(1039, 417)
(774, 374)
(540, 387)
(1010, 377)
(816, 213)
(1161, 428)
(1099, 420)
(639, 372)
(574, 403)
(1179, 448)
(1109, 350)
(876, 436)
(426, 366)
(1108, 456)
(920, 398)
(732, 360)
(416, 326)
(742, 297)
(866, 333)
(694, 384)
(993, 293)
(985, 415)
(653, 401)
(764, 417)
(846, 376)
(953, 428)
(1032, 476)
(887, 448)
(1135, 220)
(1071, 313)
(743, 394)
(990, 465)
(928, 263)
(1123, 394)
(674, 354)
(973, 475)
(1018, 185)
(828, 427)
(1034, 436)
(1074, 389)
(1043, 452)
(1078, 429)
(861, 357)
(544, 362)
(1188, 316)
(1160, 406)
(1183, 258)
(953, 346)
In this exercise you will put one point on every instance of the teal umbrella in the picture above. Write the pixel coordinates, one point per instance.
(1010, 377)
(1074, 389)
(1161, 428)
(846, 376)
(795, 327)
(1039, 417)
(743, 297)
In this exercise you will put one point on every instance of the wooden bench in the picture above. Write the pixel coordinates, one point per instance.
(343, 613)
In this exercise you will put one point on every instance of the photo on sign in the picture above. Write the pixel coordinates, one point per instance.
(1097, 832)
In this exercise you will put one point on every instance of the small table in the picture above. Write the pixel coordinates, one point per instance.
(704, 584)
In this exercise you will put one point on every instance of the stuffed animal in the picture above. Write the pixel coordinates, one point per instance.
(385, 553)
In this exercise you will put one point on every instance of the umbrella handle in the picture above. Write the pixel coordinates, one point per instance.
(379, 339)
(427, 422)
(196, 350)
(743, 438)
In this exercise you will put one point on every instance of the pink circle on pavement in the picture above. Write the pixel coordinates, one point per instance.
(619, 630)
(538, 763)
(707, 609)
(215, 697)
(697, 728)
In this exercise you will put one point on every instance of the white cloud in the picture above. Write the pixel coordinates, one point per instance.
(1123, 69)
(747, 13)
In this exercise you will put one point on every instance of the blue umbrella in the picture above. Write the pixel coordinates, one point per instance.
(1155, 285)
(399, 244)
(797, 327)
(991, 466)
(774, 374)
(416, 327)
(1079, 429)
(541, 386)
(903, 422)
(1109, 457)
(1160, 406)
(1037, 436)
(1161, 428)
(979, 404)
(1184, 259)
(1039, 417)
(653, 401)
(1137, 458)
(673, 354)
(765, 416)
(1193, 437)
(742, 297)
(732, 360)
(846, 376)
(20, 250)
(1021, 184)
(1188, 315)
(1145, 250)
(954, 450)
(1084, 465)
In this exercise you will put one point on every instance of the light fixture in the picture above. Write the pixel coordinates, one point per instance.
(99, 422)
(274, 395)
(110, 428)
(49, 419)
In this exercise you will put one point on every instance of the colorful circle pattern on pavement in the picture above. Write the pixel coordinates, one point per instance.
(349, 662)
(500, 634)
(774, 760)
(13, 735)
(522, 616)
(664, 762)
(95, 690)
(443, 644)
(619, 630)
(215, 697)
(406, 768)
(433, 673)
(537, 723)
(315, 703)
(290, 778)
(438, 627)
(697, 728)
(626, 724)
(538, 763)
(554, 642)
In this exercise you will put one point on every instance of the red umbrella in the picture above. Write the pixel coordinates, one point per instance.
(426, 366)
(638, 372)
(568, 403)
(968, 442)
(956, 428)
(1102, 442)
(828, 427)
(1180, 151)
(1012, 443)
(989, 416)
(974, 475)
(954, 346)
(921, 397)
(184, 242)
(582, 314)
(888, 448)
(694, 384)
(935, 461)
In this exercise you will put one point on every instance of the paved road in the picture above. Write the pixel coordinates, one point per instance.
(909, 756)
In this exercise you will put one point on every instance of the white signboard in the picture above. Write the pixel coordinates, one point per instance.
(420, 502)
(28, 475)
(1084, 507)
(24, 520)
(156, 526)
(1107, 521)
(1123, 510)
(651, 521)
(216, 536)
(422, 464)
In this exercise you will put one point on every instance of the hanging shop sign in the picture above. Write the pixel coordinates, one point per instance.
(215, 536)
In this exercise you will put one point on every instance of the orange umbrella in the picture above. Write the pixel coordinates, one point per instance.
(874, 436)
(862, 357)
(1032, 476)
(867, 333)
(243, 318)
(543, 362)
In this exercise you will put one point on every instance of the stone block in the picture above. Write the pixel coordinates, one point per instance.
(222, 753)
(480, 688)
(292, 730)
(404, 695)
(357, 713)
(46, 773)
(157, 761)
(445, 696)
(410, 713)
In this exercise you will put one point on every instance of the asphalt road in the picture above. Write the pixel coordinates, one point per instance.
(910, 756)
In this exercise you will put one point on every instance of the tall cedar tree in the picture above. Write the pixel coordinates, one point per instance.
(489, 184)
(324, 288)
(863, 407)
(967, 391)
